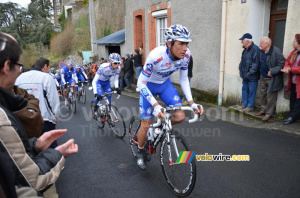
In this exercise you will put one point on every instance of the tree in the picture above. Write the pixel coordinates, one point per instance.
(30, 25)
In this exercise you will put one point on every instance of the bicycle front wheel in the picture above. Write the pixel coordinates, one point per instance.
(116, 122)
(73, 103)
(134, 126)
(97, 116)
(83, 96)
(180, 177)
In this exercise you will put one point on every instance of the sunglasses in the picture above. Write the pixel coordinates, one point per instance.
(21, 66)
(116, 63)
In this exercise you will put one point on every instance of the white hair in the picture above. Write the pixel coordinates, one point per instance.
(267, 40)
(250, 40)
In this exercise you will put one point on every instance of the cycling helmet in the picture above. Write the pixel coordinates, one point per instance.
(70, 63)
(114, 58)
(77, 66)
(58, 71)
(177, 32)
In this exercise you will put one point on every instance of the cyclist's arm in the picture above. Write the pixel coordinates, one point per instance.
(116, 81)
(142, 83)
(185, 84)
(74, 76)
(62, 75)
(95, 80)
(84, 75)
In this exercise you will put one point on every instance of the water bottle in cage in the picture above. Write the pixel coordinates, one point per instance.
(150, 134)
(157, 132)
(101, 108)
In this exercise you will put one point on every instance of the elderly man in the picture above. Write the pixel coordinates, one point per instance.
(271, 79)
(249, 72)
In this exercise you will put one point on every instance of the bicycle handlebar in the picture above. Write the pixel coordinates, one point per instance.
(185, 108)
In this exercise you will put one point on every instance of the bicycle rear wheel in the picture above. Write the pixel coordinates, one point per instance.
(97, 117)
(181, 177)
(116, 122)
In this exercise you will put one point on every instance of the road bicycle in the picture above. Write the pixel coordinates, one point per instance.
(71, 98)
(110, 114)
(81, 94)
(180, 177)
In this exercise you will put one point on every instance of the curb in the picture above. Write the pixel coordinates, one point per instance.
(246, 119)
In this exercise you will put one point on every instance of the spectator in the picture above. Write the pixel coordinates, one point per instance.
(95, 68)
(40, 84)
(137, 63)
(34, 165)
(121, 75)
(190, 75)
(271, 79)
(90, 75)
(128, 65)
(249, 72)
(292, 67)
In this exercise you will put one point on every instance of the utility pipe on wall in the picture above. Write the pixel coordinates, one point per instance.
(222, 55)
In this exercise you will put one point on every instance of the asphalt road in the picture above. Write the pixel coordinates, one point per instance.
(105, 167)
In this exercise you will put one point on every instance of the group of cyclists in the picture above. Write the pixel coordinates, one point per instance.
(160, 64)
(69, 75)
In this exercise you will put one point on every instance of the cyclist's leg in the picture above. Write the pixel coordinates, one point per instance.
(99, 92)
(146, 112)
(73, 83)
(64, 89)
(106, 89)
(170, 96)
(146, 116)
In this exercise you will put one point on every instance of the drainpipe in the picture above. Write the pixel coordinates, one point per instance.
(222, 55)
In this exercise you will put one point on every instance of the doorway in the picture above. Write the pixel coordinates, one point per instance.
(278, 22)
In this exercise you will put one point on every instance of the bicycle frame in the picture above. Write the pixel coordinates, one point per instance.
(167, 131)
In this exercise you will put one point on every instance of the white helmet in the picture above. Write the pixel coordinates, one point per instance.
(78, 66)
(114, 58)
(177, 32)
(70, 63)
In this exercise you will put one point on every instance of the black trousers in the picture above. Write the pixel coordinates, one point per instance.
(48, 126)
(294, 103)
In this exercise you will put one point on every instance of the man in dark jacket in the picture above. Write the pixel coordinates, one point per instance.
(271, 78)
(128, 68)
(137, 58)
(249, 72)
(35, 165)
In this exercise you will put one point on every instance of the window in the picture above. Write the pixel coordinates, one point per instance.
(58, 12)
(161, 25)
(58, 3)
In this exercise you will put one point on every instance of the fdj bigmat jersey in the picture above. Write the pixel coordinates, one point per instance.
(159, 65)
(105, 72)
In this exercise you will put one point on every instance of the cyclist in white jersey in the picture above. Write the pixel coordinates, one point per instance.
(155, 79)
(101, 83)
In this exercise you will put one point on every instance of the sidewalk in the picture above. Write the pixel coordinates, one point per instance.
(232, 114)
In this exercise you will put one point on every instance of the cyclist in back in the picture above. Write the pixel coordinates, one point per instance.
(155, 79)
(80, 73)
(57, 78)
(68, 75)
(101, 82)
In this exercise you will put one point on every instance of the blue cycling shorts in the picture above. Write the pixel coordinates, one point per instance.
(166, 92)
(103, 87)
(80, 78)
(69, 80)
